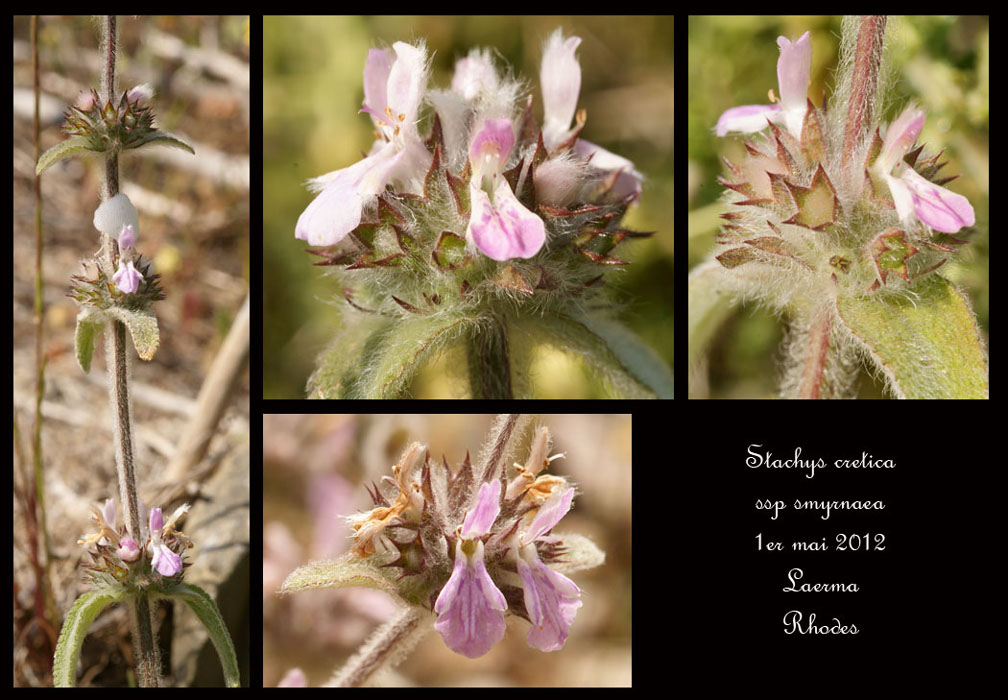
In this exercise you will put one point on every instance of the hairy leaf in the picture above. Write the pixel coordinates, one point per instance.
(206, 610)
(64, 149)
(927, 345)
(80, 617)
(89, 324)
(143, 327)
(382, 364)
(348, 570)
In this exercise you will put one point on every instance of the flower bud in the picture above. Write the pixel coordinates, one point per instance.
(126, 238)
(128, 550)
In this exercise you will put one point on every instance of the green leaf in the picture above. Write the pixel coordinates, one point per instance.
(382, 364)
(927, 344)
(90, 322)
(577, 335)
(80, 617)
(159, 137)
(710, 305)
(636, 357)
(206, 610)
(143, 327)
(64, 149)
(348, 570)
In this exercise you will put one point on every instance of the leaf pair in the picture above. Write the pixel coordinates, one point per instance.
(89, 605)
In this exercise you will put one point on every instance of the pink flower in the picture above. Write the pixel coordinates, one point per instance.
(164, 560)
(498, 223)
(913, 194)
(140, 94)
(126, 278)
(560, 76)
(393, 90)
(470, 607)
(474, 74)
(127, 238)
(128, 550)
(793, 76)
(551, 599)
(167, 562)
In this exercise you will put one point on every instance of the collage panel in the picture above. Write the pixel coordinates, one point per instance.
(467, 207)
(838, 199)
(447, 550)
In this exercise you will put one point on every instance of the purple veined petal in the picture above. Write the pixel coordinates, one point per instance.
(470, 606)
(126, 278)
(793, 71)
(504, 229)
(901, 135)
(165, 561)
(491, 146)
(939, 208)
(479, 520)
(551, 599)
(376, 74)
(747, 119)
(550, 513)
(560, 78)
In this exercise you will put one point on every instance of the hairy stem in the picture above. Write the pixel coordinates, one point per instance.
(490, 361)
(813, 369)
(818, 364)
(148, 663)
(144, 645)
(386, 648)
(864, 82)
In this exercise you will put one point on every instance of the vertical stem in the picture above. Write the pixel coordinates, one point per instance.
(864, 82)
(813, 369)
(43, 580)
(147, 664)
(490, 362)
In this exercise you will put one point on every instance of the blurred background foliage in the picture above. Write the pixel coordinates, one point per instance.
(942, 63)
(312, 89)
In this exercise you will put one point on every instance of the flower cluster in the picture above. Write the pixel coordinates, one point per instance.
(849, 220)
(133, 284)
(117, 557)
(484, 183)
(473, 548)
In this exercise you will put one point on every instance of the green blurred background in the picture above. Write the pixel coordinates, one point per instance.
(943, 63)
(312, 73)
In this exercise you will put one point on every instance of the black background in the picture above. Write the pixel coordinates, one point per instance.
(929, 610)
